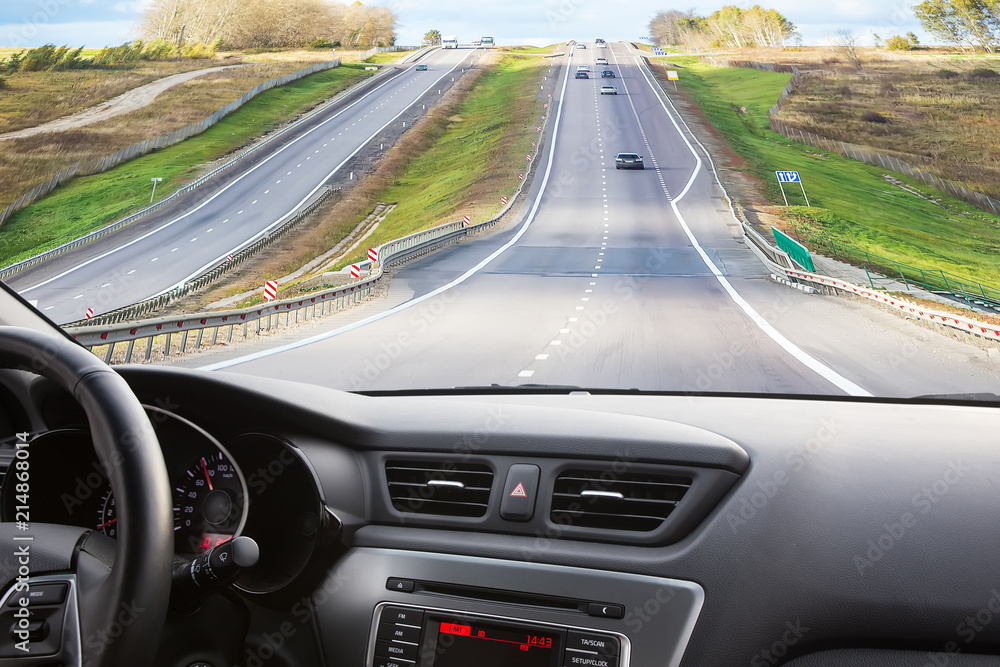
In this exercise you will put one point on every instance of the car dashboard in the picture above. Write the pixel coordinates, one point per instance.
(555, 528)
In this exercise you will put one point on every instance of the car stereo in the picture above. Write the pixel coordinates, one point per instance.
(407, 636)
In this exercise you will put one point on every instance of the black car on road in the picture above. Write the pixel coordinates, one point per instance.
(628, 161)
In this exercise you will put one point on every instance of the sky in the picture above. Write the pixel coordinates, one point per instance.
(95, 23)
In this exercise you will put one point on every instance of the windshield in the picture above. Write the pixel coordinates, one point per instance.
(772, 200)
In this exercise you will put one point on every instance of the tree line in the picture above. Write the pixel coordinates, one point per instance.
(729, 27)
(242, 24)
(972, 24)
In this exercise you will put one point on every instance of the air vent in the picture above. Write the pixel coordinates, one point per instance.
(439, 487)
(612, 501)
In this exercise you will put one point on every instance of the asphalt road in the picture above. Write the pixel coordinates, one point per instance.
(218, 219)
(616, 279)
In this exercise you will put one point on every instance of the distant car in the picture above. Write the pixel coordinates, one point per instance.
(628, 161)
(608, 74)
(609, 90)
(583, 68)
(581, 46)
(421, 68)
(583, 75)
(598, 41)
(602, 61)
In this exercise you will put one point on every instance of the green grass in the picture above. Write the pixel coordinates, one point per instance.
(533, 50)
(850, 201)
(476, 146)
(87, 203)
(386, 57)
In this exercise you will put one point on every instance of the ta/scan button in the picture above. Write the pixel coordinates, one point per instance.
(519, 492)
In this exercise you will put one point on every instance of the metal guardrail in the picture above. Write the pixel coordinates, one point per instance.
(933, 280)
(975, 328)
(12, 269)
(103, 332)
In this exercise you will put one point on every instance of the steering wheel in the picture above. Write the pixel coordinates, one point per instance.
(114, 597)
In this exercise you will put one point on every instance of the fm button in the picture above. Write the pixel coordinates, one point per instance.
(519, 493)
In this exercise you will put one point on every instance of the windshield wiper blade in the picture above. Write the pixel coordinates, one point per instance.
(977, 397)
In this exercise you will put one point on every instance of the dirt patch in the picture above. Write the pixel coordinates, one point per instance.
(133, 100)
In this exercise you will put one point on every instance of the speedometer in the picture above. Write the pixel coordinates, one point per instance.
(209, 503)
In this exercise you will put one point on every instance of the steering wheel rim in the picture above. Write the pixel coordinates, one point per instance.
(124, 607)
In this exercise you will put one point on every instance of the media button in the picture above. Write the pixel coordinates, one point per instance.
(387, 649)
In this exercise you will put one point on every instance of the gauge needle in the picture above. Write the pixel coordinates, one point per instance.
(106, 524)
(205, 468)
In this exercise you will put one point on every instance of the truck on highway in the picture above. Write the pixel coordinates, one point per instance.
(450, 42)
(486, 41)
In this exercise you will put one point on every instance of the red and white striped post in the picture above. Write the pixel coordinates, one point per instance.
(89, 313)
(270, 290)
(466, 221)
(373, 254)
(503, 200)
(355, 271)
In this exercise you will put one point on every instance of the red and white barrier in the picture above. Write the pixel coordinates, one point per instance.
(373, 254)
(966, 324)
(270, 290)
(466, 221)
(89, 313)
(355, 271)
(503, 200)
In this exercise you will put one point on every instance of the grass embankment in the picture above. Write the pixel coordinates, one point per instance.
(387, 57)
(28, 161)
(33, 98)
(475, 156)
(459, 160)
(852, 203)
(87, 203)
(937, 111)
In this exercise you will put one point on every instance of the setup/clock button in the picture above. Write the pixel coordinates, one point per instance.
(579, 659)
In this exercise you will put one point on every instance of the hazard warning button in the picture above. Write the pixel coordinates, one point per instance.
(518, 503)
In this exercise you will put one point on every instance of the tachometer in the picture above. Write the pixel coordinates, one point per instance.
(209, 503)
(107, 518)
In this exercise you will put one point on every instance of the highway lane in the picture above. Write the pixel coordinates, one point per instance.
(224, 216)
(607, 288)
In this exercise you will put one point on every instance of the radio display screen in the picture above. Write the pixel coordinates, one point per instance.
(461, 643)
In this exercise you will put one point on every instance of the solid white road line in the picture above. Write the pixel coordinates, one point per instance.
(210, 199)
(444, 288)
(821, 369)
(309, 196)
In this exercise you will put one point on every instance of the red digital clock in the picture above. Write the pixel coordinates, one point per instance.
(540, 640)
(464, 642)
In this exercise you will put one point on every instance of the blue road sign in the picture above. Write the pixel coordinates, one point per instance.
(788, 177)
